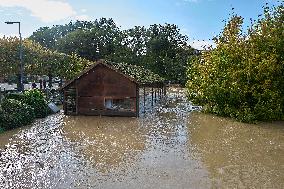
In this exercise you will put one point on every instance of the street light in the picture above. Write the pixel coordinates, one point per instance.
(20, 85)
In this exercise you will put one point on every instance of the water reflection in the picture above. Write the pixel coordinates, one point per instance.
(239, 155)
(28, 159)
(167, 147)
(103, 152)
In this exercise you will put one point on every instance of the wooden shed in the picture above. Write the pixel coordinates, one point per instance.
(109, 89)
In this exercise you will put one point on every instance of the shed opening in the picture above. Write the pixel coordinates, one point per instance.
(120, 104)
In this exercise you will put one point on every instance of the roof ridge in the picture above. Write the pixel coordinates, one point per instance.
(132, 76)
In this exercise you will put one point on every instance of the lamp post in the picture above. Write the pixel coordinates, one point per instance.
(20, 86)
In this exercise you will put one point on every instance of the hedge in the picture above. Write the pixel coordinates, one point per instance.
(14, 113)
(17, 110)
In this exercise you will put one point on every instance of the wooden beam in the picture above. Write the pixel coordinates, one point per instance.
(152, 103)
(155, 95)
(77, 96)
(137, 101)
(64, 102)
(144, 98)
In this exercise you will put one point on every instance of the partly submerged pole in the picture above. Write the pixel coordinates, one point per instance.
(152, 103)
(144, 97)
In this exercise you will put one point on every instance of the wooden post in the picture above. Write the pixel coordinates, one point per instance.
(155, 95)
(64, 102)
(144, 98)
(77, 96)
(137, 101)
(152, 103)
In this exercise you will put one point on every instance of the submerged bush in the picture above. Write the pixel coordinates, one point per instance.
(35, 98)
(21, 109)
(14, 113)
(243, 77)
(16, 96)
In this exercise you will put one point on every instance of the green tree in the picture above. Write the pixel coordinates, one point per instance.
(38, 60)
(95, 43)
(47, 36)
(167, 52)
(243, 76)
(160, 48)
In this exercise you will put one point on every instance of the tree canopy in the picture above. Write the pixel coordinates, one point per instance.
(38, 60)
(160, 48)
(243, 77)
(138, 73)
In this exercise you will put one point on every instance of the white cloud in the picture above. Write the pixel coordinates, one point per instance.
(83, 17)
(201, 44)
(45, 10)
(185, 2)
(83, 10)
(191, 1)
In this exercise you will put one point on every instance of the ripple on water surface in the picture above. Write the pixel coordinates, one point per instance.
(239, 155)
(167, 147)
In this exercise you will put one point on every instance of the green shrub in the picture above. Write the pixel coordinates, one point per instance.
(14, 113)
(16, 96)
(36, 99)
(17, 110)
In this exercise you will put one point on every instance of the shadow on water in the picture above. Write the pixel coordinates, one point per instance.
(167, 147)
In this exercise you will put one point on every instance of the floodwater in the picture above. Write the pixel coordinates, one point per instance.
(169, 146)
(239, 155)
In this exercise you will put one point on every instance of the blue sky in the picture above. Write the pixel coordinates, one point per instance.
(199, 19)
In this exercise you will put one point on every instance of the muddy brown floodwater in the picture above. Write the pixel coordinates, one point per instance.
(167, 147)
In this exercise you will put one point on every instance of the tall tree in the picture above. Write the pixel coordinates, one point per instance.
(243, 76)
(167, 52)
(38, 60)
(161, 48)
